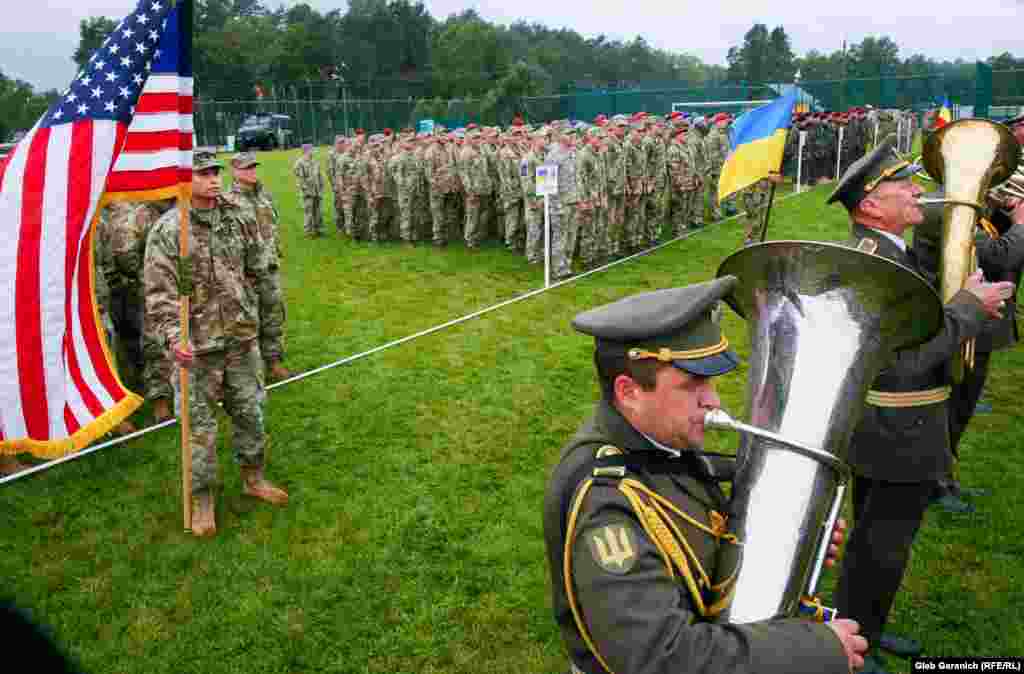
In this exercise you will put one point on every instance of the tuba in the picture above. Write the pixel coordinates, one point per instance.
(968, 157)
(823, 320)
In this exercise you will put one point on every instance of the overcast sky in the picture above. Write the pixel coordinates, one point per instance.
(38, 38)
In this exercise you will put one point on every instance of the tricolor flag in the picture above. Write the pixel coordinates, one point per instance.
(122, 130)
(945, 114)
(758, 139)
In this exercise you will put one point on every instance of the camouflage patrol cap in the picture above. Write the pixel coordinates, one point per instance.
(205, 159)
(675, 326)
(244, 160)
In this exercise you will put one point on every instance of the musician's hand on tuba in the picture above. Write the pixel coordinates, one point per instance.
(992, 295)
(855, 646)
(1017, 214)
(838, 536)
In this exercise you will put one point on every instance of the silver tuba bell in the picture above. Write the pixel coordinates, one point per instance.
(823, 320)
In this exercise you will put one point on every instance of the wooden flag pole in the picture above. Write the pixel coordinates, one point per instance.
(184, 203)
(767, 213)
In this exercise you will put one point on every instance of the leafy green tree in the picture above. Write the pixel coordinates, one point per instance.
(466, 58)
(20, 106)
(780, 56)
(752, 60)
(92, 32)
(874, 57)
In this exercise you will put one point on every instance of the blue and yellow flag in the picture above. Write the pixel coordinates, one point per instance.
(758, 139)
(944, 115)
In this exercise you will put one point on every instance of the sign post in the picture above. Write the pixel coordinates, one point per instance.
(800, 162)
(547, 184)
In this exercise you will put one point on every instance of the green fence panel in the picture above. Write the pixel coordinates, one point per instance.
(319, 111)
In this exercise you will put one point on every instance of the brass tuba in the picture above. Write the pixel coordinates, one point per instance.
(968, 157)
(823, 319)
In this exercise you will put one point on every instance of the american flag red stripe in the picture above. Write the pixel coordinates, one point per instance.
(160, 140)
(117, 125)
(156, 139)
(28, 327)
(156, 102)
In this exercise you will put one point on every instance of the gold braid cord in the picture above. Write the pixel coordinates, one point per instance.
(679, 557)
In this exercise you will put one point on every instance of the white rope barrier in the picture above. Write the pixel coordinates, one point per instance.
(398, 342)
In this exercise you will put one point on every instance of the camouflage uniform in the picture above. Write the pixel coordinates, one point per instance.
(657, 178)
(356, 200)
(684, 186)
(695, 143)
(476, 180)
(511, 198)
(258, 204)
(377, 185)
(343, 179)
(636, 170)
(442, 187)
(422, 221)
(129, 237)
(311, 188)
(602, 240)
(103, 264)
(533, 206)
(615, 169)
(491, 211)
(231, 299)
(590, 192)
(716, 148)
(562, 212)
(332, 178)
(403, 169)
(755, 200)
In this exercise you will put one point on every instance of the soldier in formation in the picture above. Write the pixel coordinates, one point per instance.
(311, 186)
(625, 181)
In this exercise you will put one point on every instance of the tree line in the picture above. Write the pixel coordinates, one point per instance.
(395, 49)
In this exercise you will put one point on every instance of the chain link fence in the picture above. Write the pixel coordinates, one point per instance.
(332, 110)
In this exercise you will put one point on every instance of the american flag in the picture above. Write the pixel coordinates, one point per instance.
(122, 130)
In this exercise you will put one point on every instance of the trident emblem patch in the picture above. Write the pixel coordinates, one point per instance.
(613, 547)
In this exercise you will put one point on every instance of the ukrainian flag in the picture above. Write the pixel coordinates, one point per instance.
(945, 115)
(758, 139)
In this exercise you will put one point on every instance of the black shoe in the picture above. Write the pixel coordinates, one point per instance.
(873, 665)
(953, 504)
(905, 647)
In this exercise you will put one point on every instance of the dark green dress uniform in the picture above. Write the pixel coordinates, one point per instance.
(901, 446)
(1000, 253)
(638, 593)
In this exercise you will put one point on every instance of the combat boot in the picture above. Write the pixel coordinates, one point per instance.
(204, 521)
(278, 372)
(255, 485)
(162, 410)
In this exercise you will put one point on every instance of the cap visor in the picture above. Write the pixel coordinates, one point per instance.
(712, 366)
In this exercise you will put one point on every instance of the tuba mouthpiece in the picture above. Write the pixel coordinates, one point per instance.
(719, 419)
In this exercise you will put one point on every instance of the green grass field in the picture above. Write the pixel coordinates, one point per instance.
(413, 540)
